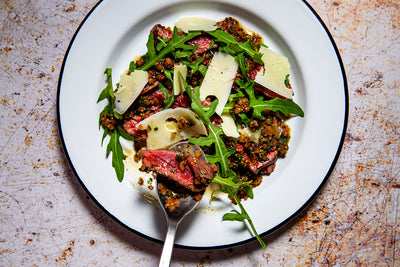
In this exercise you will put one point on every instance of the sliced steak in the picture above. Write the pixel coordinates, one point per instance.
(253, 71)
(254, 68)
(257, 166)
(182, 101)
(130, 126)
(148, 88)
(181, 168)
(265, 91)
(158, 98)
(203, 171)
(204, 44)
(160, 31)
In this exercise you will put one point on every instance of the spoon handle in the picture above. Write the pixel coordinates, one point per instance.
(168, 244)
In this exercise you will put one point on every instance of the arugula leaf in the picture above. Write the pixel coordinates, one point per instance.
(196, 66)
(235, 216)
(118, 156)
(286, 106)
(234, 47)
(243, 67)
(106, 110)
(105, 133)
(179, 54)
(175, 42)
(226, 178)
(211, 44)
(221, 152)
(244, 216)
(114, 146)
(214, 137)
(150, 47)
(231, 186)
(169, 98)
(183, 51)
(108, 91)
(243, 119)
(124, 134)
(168, 73)
(162, 43)
(187, 47)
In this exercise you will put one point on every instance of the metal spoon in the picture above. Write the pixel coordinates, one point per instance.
(187, 205)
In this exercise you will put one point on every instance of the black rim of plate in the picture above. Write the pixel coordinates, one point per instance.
(251, 239)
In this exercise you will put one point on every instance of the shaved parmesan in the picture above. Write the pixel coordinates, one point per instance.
(162, 133)
(219, 79)
(178, 84)
(229, 126)
(187, 24)
(273, 77)
(129, 89)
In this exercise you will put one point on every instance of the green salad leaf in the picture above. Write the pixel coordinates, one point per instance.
(108, 91)
(214, 137)
(196, 66)
(118, 156)
(169, 98)
(258, 104)
(162, 43)
(114, 146)
(286, 106)
(150, 47)
(234, 47)
(225, 177)
(231, 186)
(175, 42)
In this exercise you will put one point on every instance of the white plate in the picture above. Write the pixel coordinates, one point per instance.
(115, 32)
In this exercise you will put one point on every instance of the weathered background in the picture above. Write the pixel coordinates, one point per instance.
(46, 218)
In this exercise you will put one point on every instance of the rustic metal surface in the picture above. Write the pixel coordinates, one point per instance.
(47, 219)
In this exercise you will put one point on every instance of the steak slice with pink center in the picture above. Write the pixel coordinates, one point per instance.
(183, 169)
(203, 42)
